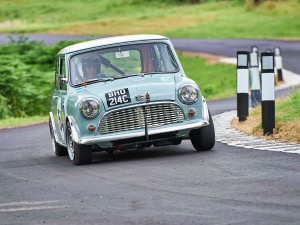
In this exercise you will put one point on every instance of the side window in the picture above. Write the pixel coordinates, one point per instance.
(61, 72)
(56, 82)
(163, 58)
(160, 62)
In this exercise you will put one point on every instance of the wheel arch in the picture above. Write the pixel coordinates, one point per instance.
(205, 110)
(52, 126)
(74, 128)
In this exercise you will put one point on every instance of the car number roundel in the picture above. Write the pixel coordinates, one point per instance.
(117, 97)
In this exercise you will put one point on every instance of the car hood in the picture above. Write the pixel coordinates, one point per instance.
(132, 90)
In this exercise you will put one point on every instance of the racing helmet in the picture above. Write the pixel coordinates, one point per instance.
(87, 63)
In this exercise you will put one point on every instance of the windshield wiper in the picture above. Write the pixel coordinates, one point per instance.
(138, 74)
(104, 79)
(96, 80)
(159, 72)
(128, 75)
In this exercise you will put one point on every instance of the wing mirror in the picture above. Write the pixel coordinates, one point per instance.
(62, 80)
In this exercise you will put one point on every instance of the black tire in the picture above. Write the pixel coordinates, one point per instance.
(57, 148)
(79, 154)
(204, 137)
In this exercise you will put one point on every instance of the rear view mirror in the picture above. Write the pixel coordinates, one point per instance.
(123, 54)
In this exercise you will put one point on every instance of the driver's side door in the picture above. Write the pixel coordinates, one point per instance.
(58, 98)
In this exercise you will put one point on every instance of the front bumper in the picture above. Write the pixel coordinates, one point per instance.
(141, 133)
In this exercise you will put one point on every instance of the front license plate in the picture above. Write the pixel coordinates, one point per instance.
(117, 97)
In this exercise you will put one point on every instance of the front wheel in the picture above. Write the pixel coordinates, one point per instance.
(79, 154)
(204, 137)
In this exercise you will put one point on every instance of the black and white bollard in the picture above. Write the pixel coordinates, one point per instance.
(254, 79)
(278, 63)
(255, 49)
(268, 92)
(242, 85)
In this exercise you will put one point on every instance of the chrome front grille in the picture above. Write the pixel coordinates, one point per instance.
(132, 118)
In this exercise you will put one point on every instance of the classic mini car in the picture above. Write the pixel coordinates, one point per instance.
(122, 93)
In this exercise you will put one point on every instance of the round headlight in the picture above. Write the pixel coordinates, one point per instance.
(188, 94)
(89, 108)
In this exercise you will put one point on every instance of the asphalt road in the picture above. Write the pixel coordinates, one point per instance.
(165, 185)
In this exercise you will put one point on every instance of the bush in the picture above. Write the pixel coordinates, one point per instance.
(27, 73)
(23, 90)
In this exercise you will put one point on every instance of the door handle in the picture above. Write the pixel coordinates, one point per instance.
(55, 97)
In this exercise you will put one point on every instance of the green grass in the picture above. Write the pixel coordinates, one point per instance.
(287, 122)
(289, 109)
(215, 80)
(22, 121)
(221, 19)
(235, 21)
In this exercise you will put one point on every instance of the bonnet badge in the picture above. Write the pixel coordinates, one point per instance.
(139, 97)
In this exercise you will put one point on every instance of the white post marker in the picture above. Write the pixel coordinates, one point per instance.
(242, 85)
(268, 92)
(278, 63)
(254, 79)
(254, 49)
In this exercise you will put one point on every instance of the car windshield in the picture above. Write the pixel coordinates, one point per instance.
(121, 62)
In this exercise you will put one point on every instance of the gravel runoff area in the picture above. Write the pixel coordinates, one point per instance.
(225, 133)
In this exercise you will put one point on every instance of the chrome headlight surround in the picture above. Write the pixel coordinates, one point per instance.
(89, 108)
(188, 94)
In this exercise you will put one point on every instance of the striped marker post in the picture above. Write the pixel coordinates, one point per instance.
(268, 92)
(255, 49)
(278, 63)
(242, 85)
(254, 80)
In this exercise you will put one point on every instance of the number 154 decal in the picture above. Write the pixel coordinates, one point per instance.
(117, 97)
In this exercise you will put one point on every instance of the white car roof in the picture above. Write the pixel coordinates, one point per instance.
(110, 41)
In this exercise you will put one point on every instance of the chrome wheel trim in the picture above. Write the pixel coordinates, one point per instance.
(70, 145)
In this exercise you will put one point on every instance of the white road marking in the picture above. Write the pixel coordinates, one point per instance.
(30, 206)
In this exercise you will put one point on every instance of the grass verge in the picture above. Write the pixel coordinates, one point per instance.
(215, 79)
(23, 121)
(220, 19)
(287, 123)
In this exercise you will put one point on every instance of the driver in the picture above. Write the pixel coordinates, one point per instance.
(90, 69)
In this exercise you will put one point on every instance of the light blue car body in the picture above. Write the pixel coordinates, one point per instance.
(161, 88)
